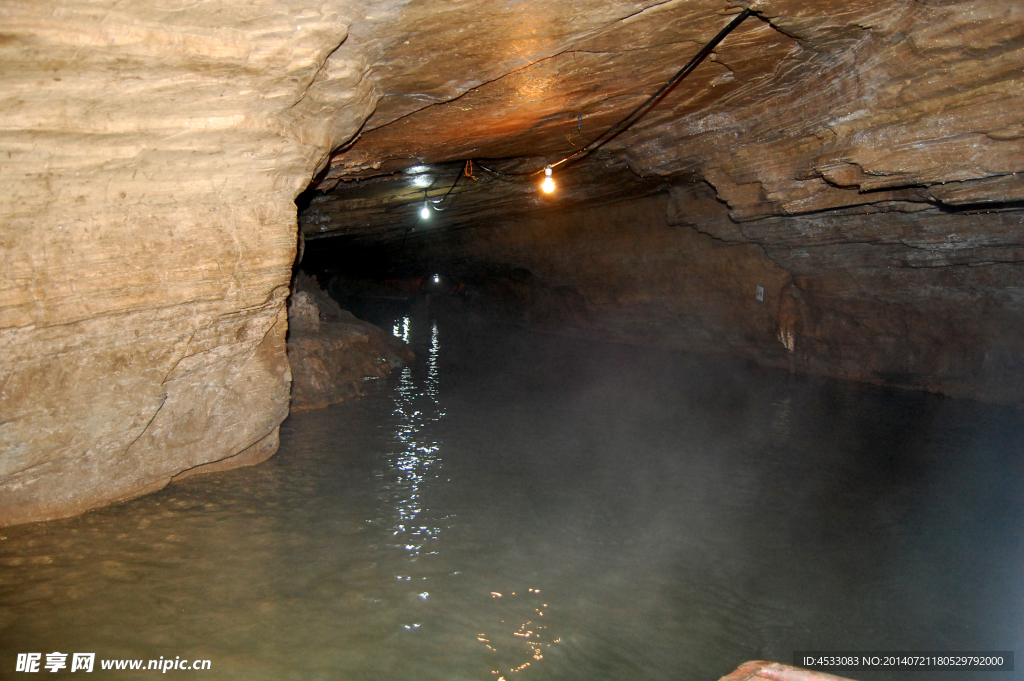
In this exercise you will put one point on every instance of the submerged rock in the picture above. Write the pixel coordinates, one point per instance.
(759, 670)
(332, 353)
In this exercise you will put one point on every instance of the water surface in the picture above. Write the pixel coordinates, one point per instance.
(522, 506)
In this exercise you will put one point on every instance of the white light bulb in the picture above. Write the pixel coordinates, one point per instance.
(425, 211)
(548, 185)
(437, 279)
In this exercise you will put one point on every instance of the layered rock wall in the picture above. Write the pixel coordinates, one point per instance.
(869, 153)
(869, 102)
(150, 154)
(930, 300)
(640, 279)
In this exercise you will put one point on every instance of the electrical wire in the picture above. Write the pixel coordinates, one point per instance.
(466, 170)
(637, 113)
(501, 175)
(611, 133)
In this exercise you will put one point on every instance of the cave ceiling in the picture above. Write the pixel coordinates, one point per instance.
(805, 107)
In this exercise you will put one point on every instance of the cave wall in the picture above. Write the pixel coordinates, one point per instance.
(866, 159)
(869, 101)
(807, 107)
(152, 152)
(151, 156)
(927, 300)
(639, 278)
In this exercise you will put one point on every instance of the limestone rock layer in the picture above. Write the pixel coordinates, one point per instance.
(805, 107)
(863, 159)
(151, 154)
(868, 153)
(884, 298)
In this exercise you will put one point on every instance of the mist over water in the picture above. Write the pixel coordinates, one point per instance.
(522, 506)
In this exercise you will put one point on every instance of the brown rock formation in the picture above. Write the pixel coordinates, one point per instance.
(757, 670)
(885, 298)
(805, 108)
(332, 352)
(152, 153)
(866, 156)
(868, 153)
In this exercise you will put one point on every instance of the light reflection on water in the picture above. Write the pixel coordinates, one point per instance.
(401, 329)
(416, 408)
(513, 506)
(517, 640)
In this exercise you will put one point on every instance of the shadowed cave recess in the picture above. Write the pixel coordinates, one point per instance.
(833, 194)
(217, 214)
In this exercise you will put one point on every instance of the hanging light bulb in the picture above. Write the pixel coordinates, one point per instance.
(548, 185)
(425, 211)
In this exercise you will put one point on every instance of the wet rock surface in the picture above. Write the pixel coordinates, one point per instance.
(803, 108)
(331, 352)
(153, 154)
(759, 670)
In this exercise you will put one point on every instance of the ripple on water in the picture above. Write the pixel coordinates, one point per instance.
(518, 506)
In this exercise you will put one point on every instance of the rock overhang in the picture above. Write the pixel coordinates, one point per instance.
(153, 153)
(804, 108)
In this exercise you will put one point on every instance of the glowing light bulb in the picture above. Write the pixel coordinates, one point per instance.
(548, 185)
(437, 278)
(425, 211)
